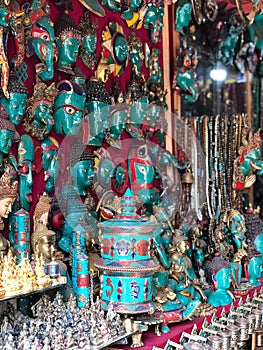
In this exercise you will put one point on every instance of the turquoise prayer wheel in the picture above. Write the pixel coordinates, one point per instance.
(82, 281)
(21, 241)
(127, 265)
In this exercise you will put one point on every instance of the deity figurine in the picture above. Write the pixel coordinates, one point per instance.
(222, 247)
(15, 105)
(9, 279)
(8, 193)
(11, 18)
(69, 107)
(43, 241)
(236, 224)
(253, 265)
(41, 38)
(68, 39)
(50, 162)
(136, 54)
(141, 173)
(156, 75)
(74, 210)
(87, 50)
(25, 163)
(115, 48)
(117, 122)
(104, 170)
(183, 280)
(98, 106)
(39, 114)
(139, 106)
(249, 163)
(154, 21)
(198, 248)
(219, 272)
(183, 15)
(8, 134)
(41, 210)
(81, 168)
(184, 78)
(165, 295)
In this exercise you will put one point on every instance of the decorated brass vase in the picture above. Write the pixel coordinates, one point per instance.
(21, 239)
(127, 265)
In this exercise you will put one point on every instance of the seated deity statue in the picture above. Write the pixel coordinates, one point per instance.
(220, 274)
(236, 224)
(176, 289)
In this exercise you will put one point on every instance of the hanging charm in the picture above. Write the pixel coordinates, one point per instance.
(88, 40)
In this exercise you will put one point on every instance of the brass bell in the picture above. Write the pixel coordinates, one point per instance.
(188, 177)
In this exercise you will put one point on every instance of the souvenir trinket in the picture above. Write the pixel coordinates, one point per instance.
(215, 342)
(234, 330)
(126, 248)
(136, 54)
(40, 37)
(53, 268)
(80, 264)
(258, 318)
(141, 173)
(21, 234)
(251, 323)
(50, 162)
(243, 324)
(39, 113)
(153, 21)
(25, 163)
(88, 40)
(83, 280)
(220, 273)
(69, 107)
(225, 335)
(8, 134)
(15, 105)
(98, 106)
(115, 48)
(81, 164)
(68, 39)
(184, 78)
(8, 193)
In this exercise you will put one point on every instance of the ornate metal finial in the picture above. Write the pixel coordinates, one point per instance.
(65, 24)
(128, 209)
(7, 188)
